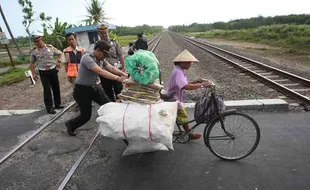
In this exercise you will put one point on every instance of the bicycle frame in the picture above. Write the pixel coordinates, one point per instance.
(217, 115)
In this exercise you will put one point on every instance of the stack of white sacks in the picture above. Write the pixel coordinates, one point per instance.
(147, 128)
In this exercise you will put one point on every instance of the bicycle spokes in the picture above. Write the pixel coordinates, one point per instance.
(233, 136)
(180, 137)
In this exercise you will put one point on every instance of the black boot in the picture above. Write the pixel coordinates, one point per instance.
(59, 107)
(69, 130)
(51, 111)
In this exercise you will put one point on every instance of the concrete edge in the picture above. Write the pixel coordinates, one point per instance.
(16, 112)
(256, 104)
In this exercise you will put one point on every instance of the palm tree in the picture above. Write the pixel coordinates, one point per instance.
(95, 13)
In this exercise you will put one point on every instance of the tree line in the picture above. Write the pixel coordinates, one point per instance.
(249, 23)
(54, 31)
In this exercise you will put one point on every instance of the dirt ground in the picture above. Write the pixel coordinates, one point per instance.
(24, 96)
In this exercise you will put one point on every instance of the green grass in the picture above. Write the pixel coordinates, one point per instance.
(124, 40)
(17, 61)
(294, 37)
(13, 75)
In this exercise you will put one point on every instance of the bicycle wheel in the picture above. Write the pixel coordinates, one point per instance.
(240, 139)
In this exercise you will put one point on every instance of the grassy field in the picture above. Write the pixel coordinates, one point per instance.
(5, 60)
(294, 37)
(125, 40)
(11, 76)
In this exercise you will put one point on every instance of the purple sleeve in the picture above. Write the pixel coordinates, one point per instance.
(180, 80)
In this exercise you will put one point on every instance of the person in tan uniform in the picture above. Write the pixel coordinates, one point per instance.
(42, 55)
(111, 87)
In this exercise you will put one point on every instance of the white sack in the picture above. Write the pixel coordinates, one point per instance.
(141, 145)
(154, 122)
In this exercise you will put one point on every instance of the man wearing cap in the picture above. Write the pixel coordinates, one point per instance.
(112, 88)
(43, 55)
(177, 83)
(86, 88)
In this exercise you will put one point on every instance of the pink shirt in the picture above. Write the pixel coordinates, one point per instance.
(177, 81)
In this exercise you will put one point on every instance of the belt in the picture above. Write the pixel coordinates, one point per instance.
(47, 68)
(84, 86)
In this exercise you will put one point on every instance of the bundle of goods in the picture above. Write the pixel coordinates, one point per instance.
(144, 94)
(147, 128)
(145, 122)
(143, 67)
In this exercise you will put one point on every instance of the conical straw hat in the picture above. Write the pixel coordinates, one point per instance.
(185, 56)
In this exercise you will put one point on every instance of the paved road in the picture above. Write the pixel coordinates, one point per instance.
(280, 162)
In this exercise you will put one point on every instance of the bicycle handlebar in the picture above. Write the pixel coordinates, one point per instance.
(212, 84)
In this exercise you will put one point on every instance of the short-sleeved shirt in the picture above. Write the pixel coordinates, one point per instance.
(44, 57)
(141, 44)
(86, 76)
(176, 82)
(115, 52)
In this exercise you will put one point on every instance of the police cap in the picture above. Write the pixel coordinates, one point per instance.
(102, 27)
(36, 36)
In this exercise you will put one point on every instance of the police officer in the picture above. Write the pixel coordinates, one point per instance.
(111, 87)
(43, 55)
(86, 89)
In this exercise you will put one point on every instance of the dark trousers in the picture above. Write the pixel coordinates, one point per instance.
(50, 81)
(111, 87)
(84, 95)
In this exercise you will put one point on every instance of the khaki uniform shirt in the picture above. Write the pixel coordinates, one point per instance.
(44, 57)
(115, 52)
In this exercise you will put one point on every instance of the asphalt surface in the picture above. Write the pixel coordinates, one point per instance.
(14, 129)
(281, 160)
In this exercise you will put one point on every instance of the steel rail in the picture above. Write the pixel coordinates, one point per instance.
(38, 131)
(299, 79)
(85, 151)
(53, 119)
(78, 162)
(305, 101)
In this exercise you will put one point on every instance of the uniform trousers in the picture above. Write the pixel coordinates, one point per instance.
(84, 95)
(111, 87)
(50, 81)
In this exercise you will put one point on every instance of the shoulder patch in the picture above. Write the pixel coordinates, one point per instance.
(33, 48)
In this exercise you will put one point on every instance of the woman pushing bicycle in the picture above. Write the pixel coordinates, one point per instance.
(178, 82)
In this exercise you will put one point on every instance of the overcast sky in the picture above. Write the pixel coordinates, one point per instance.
(155, 12)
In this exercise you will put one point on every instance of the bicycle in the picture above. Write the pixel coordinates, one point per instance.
(219, 132)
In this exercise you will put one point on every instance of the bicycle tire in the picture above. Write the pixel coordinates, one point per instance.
(212, 141)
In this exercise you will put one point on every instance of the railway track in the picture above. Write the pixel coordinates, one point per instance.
(65, 181)
(291, 85)
(153, 43)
